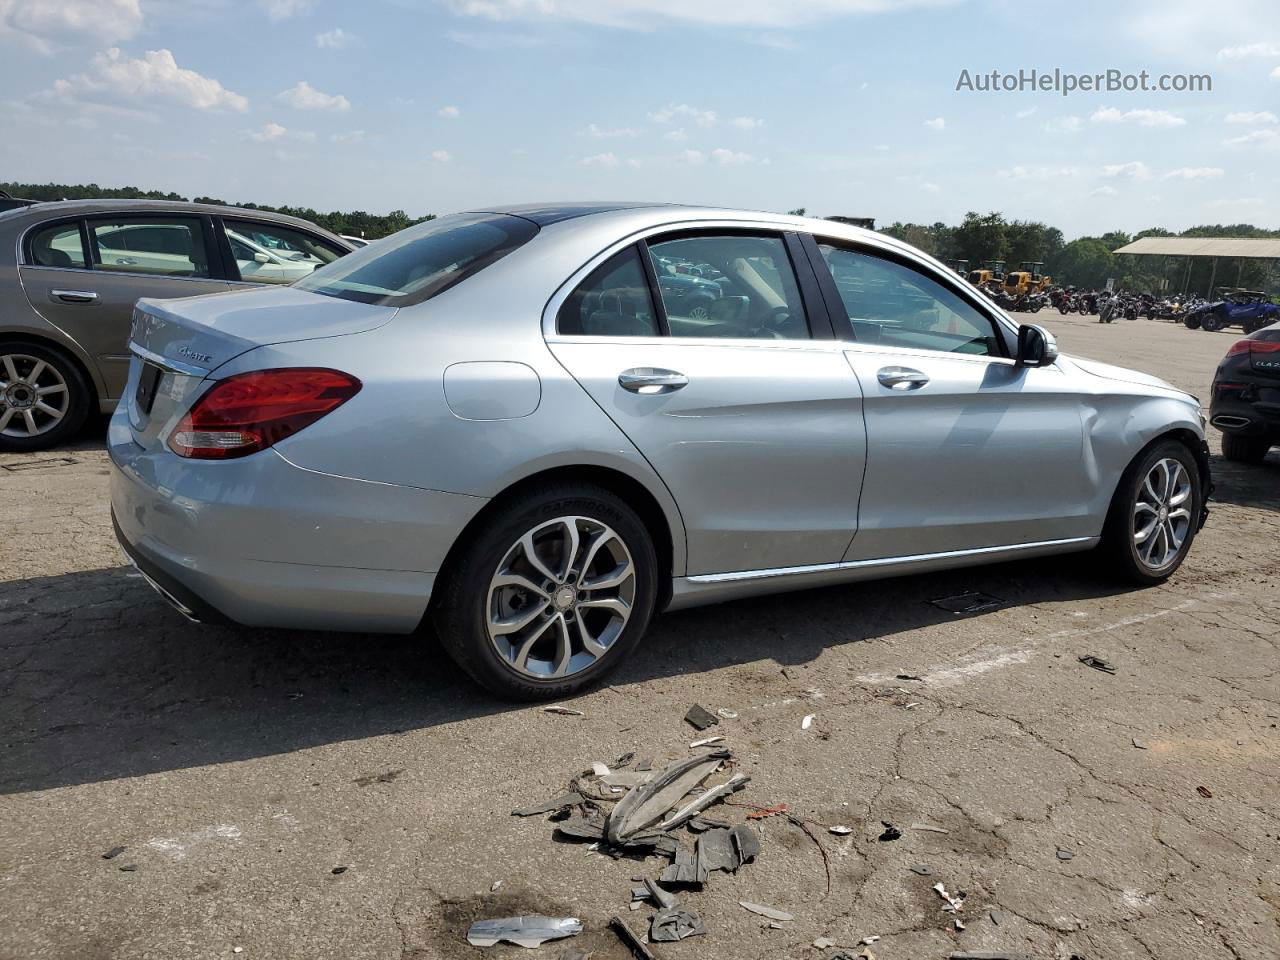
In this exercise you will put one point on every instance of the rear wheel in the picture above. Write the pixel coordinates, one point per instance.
(1212, 322)
(1245, 449)
(1154, 514)
(1191, 322)
(551, 593)
(44, 398)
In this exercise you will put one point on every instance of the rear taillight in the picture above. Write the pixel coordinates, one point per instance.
(249, 412)
(1239, 347)
(1263, 346)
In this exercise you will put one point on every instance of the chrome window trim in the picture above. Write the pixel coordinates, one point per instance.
(123, 273)
(879, 562)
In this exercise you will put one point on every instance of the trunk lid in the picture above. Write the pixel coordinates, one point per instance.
(176, 344)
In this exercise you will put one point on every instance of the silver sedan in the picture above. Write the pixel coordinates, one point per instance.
(536, 427)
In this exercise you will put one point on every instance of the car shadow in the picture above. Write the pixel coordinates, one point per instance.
(1247, 484)
(99, 679)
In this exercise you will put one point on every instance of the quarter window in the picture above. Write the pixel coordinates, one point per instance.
(58, 245)
(613, 301)
(273, 253)
(166, 246)
(892, 304)
(729, 285)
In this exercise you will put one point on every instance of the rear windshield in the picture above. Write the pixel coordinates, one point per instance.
(416, 264)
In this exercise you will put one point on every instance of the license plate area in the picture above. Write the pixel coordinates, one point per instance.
(145, 393)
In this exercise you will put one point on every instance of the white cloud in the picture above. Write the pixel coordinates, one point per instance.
(104, 21)
(643, 14)
(303, 96)
(1135, 170)
(1266, 139)
(703, 118)
(278, 10)
(272, 132)
(1023, 114)
(1067, 124)
(676, 135)
(1249, 50)
(1104, 192)
(937, 123)
(489, 40)
(1195, 173)
(1275, 74)
(351, 136)
(441, 156)
(730, 157)
(449, 113)
(600, 160)
(156, 75)
(1262, 116)
(747, 123)
(603, 133)
(1038, 173)
(1143, 118)
(334, 39)
(692, 157)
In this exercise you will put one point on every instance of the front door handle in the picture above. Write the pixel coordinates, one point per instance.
(75, 296)
(651, 380)
(902, 378)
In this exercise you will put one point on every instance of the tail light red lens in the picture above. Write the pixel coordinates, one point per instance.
(252, 411)
(1263, 346)
(1239, 347)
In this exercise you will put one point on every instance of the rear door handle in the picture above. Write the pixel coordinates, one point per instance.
(651, 380)
(75, 296)
(902, 378)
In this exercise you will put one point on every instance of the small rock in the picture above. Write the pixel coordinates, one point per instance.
(113, 853)
(823, 942)
(1065, 854)
(129, 868)
(338, 870)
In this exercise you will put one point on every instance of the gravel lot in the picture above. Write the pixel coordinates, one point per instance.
(239, 768)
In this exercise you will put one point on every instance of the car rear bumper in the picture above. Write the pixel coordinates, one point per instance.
(1259, 419)
(264, 543)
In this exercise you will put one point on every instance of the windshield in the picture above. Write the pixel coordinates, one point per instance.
(416, 264)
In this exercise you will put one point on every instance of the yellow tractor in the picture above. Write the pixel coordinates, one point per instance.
(1028, 279)
(990, 273)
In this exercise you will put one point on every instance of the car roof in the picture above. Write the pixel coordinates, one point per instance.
(69, 208)
(545, 214)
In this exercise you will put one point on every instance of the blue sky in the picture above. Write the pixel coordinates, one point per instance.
(840, 106)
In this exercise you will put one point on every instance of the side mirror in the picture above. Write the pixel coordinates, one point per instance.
(261, 257)
(1036, 346)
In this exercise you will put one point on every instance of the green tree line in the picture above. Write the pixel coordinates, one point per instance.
(1089, 261)
(355, 223)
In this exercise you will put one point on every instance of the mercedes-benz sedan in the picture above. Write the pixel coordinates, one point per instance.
(506, 424)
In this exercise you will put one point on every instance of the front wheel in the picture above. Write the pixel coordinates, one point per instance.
(1212, 322)
(1154, 514)
(552, 592)
(1191, 322)
(44, 398)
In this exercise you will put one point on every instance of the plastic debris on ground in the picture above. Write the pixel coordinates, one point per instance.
(1139, 744)
(763, 911)
(700, 718)
(727, 714)
(706, 742)
(971, 601)
(565, 800)
(630, 940)
(955, 902)
(822, 943)
(840, 830)
(890, 832)
(1089, 660)
(531, 930)
(988, 955)
(997, 917)
(563, 710)
(1204, 792)
(929, 828)
(676, 924)
(921, 870)
(807, 722)
(573, 953)
(113, 853)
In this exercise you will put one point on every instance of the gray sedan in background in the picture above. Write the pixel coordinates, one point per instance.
(71, 271)
(529, 428)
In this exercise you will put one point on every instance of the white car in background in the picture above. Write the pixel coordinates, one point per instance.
(355, 241)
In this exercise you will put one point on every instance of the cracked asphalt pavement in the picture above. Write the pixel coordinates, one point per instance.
(239, 769)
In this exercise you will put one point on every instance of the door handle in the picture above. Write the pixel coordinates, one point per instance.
(75, 296)
(901, 378)
(651, 380)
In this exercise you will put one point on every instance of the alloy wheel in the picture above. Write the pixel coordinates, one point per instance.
(1162, 513)
(34, 397)
(560, 598)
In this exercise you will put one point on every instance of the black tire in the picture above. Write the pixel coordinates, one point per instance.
(1192, 322)
(1212, 322)
(1118, 544)
(1252, 326)
(460, 599)
(1242, 449)
(78, 395)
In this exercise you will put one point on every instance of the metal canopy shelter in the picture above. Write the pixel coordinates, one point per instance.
(1242, 248)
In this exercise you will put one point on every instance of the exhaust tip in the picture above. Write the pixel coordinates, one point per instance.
(1230, 423)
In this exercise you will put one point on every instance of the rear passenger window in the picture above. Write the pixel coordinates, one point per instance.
(167, 246)
(613, 301)
(57, 246)
(731, 285)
